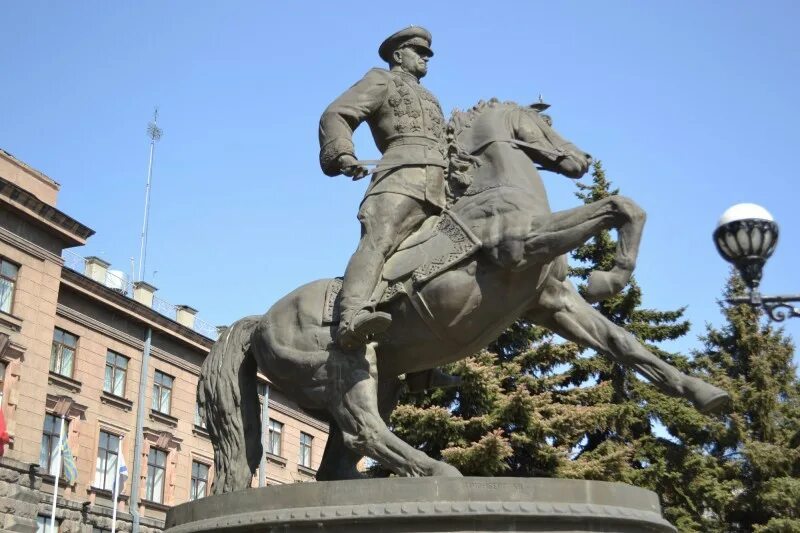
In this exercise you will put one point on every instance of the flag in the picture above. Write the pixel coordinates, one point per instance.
(55, 461)
(120, 477)
(122, 473)
(3, 434)
(67, 463)
(70, 468)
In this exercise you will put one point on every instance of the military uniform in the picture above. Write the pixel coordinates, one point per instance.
(407, 125)
(407, 186)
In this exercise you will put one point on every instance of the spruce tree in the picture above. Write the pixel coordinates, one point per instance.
(756, 448)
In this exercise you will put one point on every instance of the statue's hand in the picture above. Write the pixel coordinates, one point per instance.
(348, 165)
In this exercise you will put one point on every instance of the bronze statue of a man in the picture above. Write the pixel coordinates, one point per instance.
(407, 186)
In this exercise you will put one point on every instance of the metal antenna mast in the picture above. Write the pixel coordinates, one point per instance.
(154, 132)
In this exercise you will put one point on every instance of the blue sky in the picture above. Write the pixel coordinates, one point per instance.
(691, 106)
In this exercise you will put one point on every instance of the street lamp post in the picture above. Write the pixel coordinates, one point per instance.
(746, 236)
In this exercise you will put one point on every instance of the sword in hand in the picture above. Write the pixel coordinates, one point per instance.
(351, 167)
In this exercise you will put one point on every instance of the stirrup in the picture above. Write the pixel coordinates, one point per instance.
(364, 325)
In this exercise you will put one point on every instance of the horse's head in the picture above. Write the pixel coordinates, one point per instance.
(535, 134)
(473, 131)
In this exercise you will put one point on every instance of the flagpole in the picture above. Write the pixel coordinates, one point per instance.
(116, 488)
(56, 476)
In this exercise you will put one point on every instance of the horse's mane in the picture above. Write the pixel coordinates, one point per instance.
(461, 163)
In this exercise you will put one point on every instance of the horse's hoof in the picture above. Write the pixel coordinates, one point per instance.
(599, 287)
(603, 285)
(706, 398)
(441, 469)
(717, 405)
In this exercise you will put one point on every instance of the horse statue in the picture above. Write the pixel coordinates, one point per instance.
(497, 253)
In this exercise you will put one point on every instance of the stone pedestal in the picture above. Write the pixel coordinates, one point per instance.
(19, 496)
(427, 505)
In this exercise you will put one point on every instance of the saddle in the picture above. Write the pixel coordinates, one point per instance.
(440, 243)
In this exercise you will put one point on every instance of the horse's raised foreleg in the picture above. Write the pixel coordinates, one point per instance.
(354, 406)
(558, 233)
(566, 313)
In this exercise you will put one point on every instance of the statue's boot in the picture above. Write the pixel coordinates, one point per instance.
(355, 333)
(434, 378)
(706, 398)
(604, 285)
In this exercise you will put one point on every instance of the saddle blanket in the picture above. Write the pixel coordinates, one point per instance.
(438, 245)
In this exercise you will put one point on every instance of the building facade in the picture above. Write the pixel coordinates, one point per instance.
(81, 344)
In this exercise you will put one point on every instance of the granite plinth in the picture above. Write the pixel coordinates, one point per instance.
(427, 505)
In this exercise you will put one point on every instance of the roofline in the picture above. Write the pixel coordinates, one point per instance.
(30, 170)
(72, 232)
(135, 310)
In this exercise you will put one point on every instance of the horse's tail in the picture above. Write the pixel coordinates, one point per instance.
(227, 395)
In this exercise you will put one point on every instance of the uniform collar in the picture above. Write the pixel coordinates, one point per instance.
(405, 75)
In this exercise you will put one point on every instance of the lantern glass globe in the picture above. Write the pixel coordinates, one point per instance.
(744, 212)
(746, 236)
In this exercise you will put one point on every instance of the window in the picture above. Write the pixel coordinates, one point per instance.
(43, 525)
(156, 470)
(162, 392)
(107, 452)
(275, 438)
(263, 397)
(199, 481)
(116, 370)
(198, 420)
(305, 449)
(8, 280)
(50, 434)
(62, 355)
(2, 380)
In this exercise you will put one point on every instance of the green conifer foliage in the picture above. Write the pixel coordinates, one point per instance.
(757, 447)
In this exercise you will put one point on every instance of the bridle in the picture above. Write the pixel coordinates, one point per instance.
(553, 154)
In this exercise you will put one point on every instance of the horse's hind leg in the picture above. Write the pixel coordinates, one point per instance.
(338, 461)
(354, 407)
(566, 313)
(389, 391)
(341, 462)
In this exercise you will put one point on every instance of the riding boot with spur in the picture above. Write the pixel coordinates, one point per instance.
(355, 333)
(359, 320)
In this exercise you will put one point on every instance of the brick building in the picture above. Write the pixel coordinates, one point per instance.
(73, 342)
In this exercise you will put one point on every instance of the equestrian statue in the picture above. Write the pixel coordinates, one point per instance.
(458, 242)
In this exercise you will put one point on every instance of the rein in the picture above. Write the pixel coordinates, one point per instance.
(554, 154)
